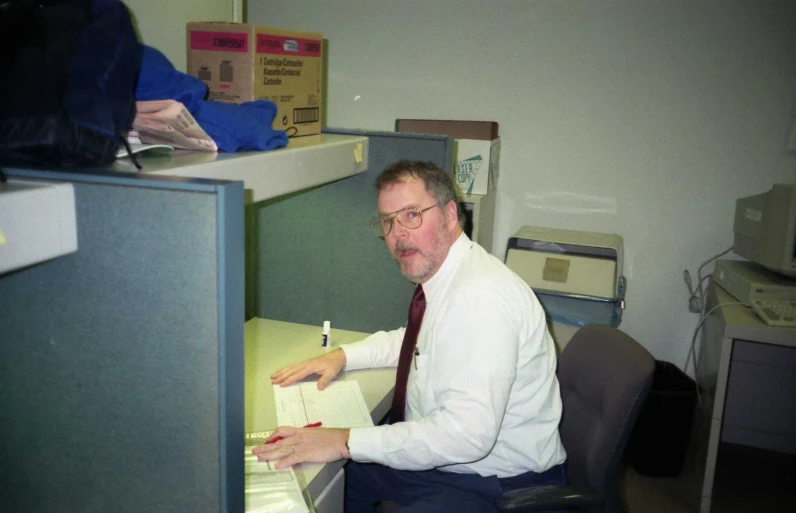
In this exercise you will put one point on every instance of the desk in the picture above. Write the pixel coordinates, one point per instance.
(748, 370)
(271, 345)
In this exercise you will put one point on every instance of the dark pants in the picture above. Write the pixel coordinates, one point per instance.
(434, 491)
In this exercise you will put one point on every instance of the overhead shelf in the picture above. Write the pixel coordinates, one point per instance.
(306, 162)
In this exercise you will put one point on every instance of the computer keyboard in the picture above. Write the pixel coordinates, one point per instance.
(776, 312)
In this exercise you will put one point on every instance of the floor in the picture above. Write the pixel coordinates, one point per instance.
(657, 494)
(747, 480)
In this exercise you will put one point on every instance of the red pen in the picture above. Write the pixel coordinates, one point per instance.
(314, 424)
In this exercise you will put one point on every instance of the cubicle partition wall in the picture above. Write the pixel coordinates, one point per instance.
(121, 365)
(315, 257)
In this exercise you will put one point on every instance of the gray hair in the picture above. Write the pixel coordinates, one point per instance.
(437, 182)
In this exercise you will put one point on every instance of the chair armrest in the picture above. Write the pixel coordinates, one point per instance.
(548, 498)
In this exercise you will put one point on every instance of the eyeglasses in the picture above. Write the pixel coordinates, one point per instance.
(411, 218)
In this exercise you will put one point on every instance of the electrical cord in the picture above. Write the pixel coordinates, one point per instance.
(696, 304)
(696, 299)
(692, 353)
(692, 350)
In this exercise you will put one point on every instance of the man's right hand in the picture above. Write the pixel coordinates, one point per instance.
(328, 366)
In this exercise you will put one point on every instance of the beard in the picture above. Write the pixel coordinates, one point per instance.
(423, 264)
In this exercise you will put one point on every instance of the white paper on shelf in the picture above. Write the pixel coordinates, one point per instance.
(340, 405)
(141, 148)
(168, 122)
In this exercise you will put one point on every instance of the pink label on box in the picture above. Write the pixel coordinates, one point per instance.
(220, 41)
(286, 45)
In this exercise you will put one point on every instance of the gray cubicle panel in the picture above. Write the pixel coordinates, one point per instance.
(121, 364)
(317, 257)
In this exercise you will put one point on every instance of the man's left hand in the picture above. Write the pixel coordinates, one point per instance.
(299, 445)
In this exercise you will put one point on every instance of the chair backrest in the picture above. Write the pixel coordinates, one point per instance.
(604, 377)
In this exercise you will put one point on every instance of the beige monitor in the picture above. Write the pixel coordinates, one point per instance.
(765, 228)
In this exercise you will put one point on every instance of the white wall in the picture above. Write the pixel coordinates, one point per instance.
(161, 23)
(647, 119)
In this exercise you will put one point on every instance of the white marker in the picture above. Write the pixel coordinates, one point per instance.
(326, 337)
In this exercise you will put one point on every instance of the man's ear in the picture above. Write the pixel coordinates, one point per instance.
(452, 213)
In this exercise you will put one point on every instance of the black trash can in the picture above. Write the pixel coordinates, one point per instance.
(660, 438)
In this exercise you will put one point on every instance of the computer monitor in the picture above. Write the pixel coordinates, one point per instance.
(765, 228)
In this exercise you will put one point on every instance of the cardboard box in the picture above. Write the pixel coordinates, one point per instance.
(481, 130)
(476, 150)
(241, 63)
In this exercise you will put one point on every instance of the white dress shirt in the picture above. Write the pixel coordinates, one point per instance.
(482, 396)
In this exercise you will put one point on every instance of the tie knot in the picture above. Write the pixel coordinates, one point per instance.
(419, 295)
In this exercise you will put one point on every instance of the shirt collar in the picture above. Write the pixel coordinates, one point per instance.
(458, 250)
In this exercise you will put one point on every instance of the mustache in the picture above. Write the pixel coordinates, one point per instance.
(403, 246)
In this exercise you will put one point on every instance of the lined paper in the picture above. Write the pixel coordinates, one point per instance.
(340, 405)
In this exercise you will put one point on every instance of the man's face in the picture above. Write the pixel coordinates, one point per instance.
(421, 251)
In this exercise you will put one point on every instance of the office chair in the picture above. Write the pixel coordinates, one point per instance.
(604, 377)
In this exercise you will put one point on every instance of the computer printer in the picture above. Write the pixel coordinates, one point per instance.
(576, 275)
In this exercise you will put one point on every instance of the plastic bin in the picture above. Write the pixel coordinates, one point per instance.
(660, 439)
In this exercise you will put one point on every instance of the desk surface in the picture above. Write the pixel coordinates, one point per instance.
(271, 345)
(742, 323)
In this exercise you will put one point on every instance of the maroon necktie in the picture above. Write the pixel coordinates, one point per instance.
(416, 310)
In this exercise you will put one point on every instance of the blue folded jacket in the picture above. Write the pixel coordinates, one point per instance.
(243, 127)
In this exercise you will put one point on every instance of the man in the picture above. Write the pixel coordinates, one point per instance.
(482, 400)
